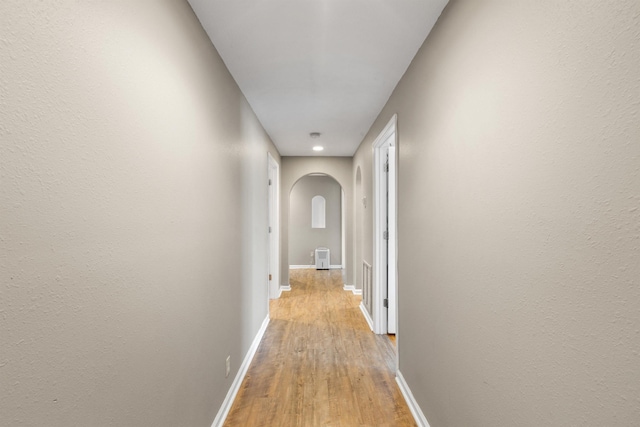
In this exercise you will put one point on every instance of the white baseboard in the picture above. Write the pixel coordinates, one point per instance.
(299, 267)
(421, 420)
(284, 288)
(352, 289)
(237, 381)
(366, 315)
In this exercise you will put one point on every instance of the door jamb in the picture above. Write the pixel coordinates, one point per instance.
(379, 216)
(274, 224)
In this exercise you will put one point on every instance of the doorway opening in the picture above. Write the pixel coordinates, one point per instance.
(274, 227)
(316, 222)
(385, 274)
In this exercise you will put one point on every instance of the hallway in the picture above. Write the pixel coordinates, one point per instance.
(146, 215)
(319, 364)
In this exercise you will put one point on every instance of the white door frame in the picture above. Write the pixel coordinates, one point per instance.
(381, 314)
(392, 259)
(343, 225)
(274, 226)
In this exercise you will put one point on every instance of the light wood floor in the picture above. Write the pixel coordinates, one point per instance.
(319, 364)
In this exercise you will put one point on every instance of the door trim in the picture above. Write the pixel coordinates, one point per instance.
(274, 223)
(379, 315)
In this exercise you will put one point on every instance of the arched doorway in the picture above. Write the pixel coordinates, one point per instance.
(315, 221)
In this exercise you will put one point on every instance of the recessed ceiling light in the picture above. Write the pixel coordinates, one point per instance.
(314, 135)
(318, 148)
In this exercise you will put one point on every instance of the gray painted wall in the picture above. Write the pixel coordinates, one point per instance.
(294, 168)
(133, 242)
(302, 238)
(363, 210)
(519, 213)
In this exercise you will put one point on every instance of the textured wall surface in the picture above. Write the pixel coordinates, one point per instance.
(132, 216)
(294, 168)
(519, 215)
(302, 238)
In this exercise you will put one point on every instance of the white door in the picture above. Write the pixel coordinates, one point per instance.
(274, 236)
(385, 232)
(391, 241)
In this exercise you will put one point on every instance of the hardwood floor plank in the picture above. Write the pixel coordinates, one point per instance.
(319, 364)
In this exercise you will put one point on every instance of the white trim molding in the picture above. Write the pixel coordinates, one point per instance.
(379, 309)
(300, 267)
(284, 288)
(237, 381)
(273, 175)
(421, 420)
(352, 289)
(365, 313)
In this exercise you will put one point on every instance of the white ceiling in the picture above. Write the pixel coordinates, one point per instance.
(325, 66)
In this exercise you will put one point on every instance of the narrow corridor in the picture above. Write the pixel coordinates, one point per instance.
(319, 363)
